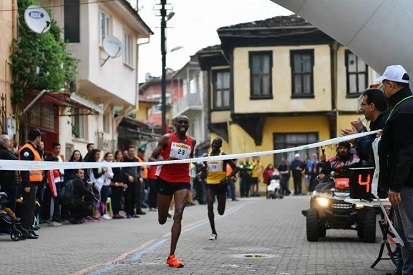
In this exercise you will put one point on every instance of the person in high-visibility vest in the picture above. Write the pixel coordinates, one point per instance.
(30, 180)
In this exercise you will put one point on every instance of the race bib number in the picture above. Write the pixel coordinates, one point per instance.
(214, 166)
(180, 150)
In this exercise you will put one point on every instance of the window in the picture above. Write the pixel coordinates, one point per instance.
(302, 63)
(106, 123)
(260, 64)
(79, 124)
(69, 151)
(128, 54)
(43, 116)
(356, 73)
(104, 26)
(72, 21)
(221, 89)
(289, 140)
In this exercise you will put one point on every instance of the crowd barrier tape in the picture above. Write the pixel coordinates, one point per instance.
(49, 165)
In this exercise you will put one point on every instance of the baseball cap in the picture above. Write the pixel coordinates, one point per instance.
(34, 134)
(394, 73)
(297, 155)
(344, 144)
(142, 148)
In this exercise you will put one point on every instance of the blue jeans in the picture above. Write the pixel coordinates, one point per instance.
(231, 187)
(403, 223)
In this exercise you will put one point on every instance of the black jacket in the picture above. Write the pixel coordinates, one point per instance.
(8, 178)
(364, 144)
(396, 146)
(130, 171)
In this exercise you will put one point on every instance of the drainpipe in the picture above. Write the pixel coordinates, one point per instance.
(333, 56)
(14, 18)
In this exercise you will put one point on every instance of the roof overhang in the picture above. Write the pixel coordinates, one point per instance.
(378, 31)
(131, 17)
(62, 99)
(83, 101)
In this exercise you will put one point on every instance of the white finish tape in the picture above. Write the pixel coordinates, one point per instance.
(49, 165)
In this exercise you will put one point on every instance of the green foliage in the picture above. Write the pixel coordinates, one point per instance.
(40, 61)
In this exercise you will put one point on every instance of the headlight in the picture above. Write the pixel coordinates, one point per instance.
(359, 206)
(324, 202)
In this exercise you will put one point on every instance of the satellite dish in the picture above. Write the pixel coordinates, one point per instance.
(37, 19)
(112, 46)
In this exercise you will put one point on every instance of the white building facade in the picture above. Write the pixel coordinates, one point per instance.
(106, 85)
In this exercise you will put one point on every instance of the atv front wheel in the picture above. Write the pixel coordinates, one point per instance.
(369, 226)
(313, 227)
(322, 229)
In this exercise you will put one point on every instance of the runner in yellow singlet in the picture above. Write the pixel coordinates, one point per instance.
(216, 182)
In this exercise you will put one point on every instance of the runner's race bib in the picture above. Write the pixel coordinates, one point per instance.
(214, 166)
(180, 150)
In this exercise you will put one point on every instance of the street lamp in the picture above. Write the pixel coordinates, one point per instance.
(164, 19)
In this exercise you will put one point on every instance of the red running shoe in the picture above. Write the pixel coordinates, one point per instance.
(173, 262)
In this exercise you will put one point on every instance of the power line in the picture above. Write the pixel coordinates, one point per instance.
(65, 5)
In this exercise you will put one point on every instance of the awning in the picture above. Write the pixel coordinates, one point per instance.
(63, 99)
(86, 102)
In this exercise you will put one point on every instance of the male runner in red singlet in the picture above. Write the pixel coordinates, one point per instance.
(173, 179)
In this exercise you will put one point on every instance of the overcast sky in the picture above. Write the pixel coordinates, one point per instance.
(194, 27)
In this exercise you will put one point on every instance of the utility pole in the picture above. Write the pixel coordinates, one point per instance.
(163, 53)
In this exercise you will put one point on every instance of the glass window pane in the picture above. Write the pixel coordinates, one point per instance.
(256, 64)
(218, 99)
(362, 82)
(307, 84)
(225, 80)
(266, 85)
(307, 63)
(297, 84)
(265, 64)
(256, 88)
(226, 98)
(361, 66)
(297, 63)
(218, 80)
(352, 63)
(352, 83)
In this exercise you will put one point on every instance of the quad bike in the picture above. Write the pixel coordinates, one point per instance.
(329, 210)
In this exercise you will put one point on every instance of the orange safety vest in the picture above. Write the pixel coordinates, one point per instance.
(144, 168)
(35, 175)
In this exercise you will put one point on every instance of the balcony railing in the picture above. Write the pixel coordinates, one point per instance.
(190, 102)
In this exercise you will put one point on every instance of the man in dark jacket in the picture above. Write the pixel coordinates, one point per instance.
(297, 167)
(133, 180)
(396, 156)
(284, 170)
(78, 204)
(9, 179)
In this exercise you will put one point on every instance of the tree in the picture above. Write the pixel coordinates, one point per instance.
(40, 61)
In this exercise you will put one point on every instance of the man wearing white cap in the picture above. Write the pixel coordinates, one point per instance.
(297, 167)
(396, 156)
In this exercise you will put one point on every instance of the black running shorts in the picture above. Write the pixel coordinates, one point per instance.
(169, 188)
